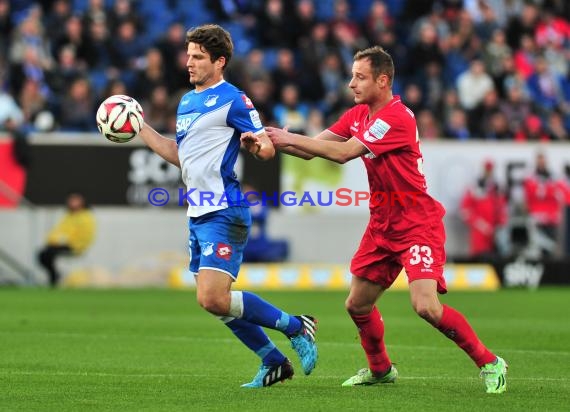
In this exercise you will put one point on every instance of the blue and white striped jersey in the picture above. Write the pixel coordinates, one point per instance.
(208, 128)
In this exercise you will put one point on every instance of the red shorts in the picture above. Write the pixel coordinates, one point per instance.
(422, 255)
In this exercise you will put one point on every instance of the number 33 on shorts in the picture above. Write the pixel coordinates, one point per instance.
(421, 254)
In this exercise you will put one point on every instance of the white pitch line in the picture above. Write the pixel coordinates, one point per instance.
(186, 375)
(167, 338)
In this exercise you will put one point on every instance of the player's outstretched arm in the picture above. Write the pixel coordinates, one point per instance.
(274, 133)
(162, 146)
(326, 145)
(258, 145)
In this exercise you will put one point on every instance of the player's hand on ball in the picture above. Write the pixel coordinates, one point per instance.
(120, 118)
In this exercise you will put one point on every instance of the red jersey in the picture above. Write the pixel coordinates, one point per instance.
(399, 203)
(544, 200)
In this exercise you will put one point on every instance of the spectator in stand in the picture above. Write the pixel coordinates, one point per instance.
(157, 108)
(552, 29)
(260, 91)
(122, 11)
(473, 85)
(525, 57)
(342, 21)
(332, 76)
(426, 50)
(150, 74)
(74, 35)
(449, 104)
(555, 127)
(59, 13)
(253, 68)
(29, 34)
(286, 72)
(101, 57)
(523, 25)
(6, 28)
(291, 112)
(32, 100)
(65, 71)
(31, 68)
(516, 108)
(96, 12)
(488, 23)
(305, 20)
(480, 117)
(547, 89)
(435, 18)
(496, 51)
(433, 86)
(315, 48)
(128, 45)
(170, 45)
(428, 128)
(511, 78)
(277, 30)
(484, 210)
(377, 21)
(532, 130)
(457, 128)
(469, 42)
(498, 128)
(456, 60)
(544, 198)
(413, 97)
(77, 110)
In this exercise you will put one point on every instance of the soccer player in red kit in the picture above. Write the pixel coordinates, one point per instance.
(406, 232)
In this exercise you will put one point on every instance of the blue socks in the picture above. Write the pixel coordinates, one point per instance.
(260, 312)
(248, 312)
(255, 339)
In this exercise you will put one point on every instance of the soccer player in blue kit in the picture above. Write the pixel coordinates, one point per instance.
(213, 121)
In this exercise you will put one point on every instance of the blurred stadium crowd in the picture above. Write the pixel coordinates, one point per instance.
(488, 69)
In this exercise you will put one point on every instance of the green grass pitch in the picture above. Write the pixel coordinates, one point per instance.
(135, 350)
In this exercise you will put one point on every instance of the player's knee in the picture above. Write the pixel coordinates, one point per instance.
(354, 307)
(427, 310)
(215, 304)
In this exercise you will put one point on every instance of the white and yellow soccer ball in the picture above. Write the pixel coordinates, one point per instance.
(120, 118)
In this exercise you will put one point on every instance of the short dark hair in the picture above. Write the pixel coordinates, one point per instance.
(380, 60)
(214, 39)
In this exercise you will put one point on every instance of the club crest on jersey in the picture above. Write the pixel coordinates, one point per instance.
(224, 251)
(377, 131)
(247, 101)
(211, 100)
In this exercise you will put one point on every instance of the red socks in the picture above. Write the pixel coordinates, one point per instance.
(454, 325)
(371, 330)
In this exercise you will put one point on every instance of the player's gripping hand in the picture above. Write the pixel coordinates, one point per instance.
(279, 137)
(251, 142)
